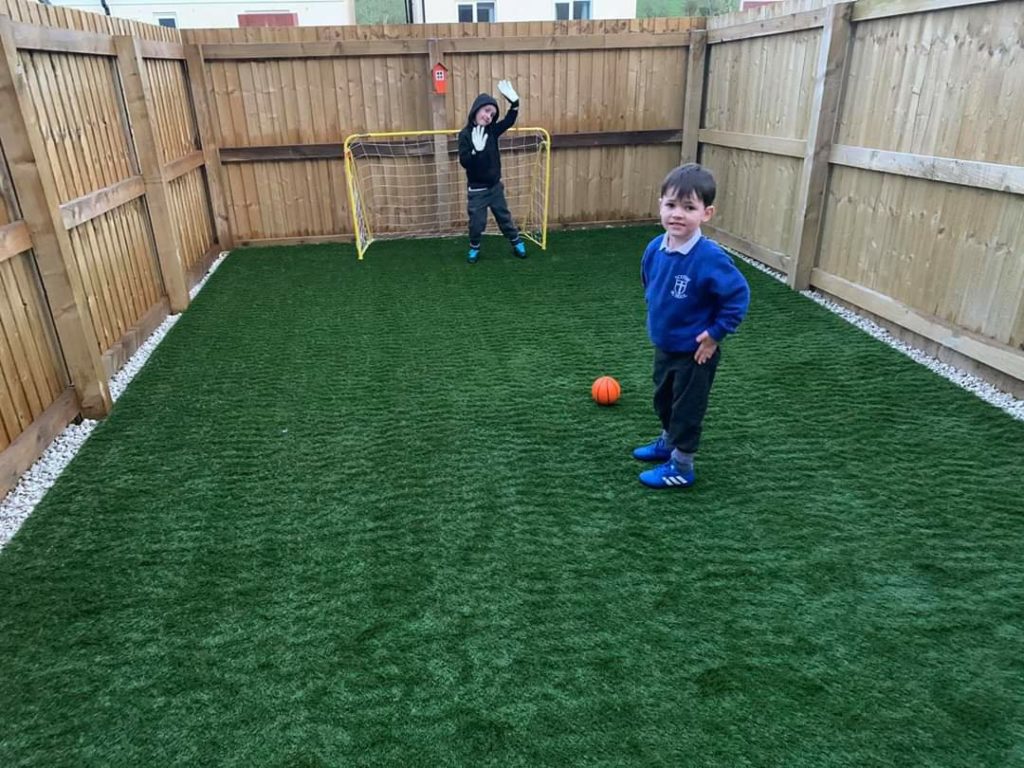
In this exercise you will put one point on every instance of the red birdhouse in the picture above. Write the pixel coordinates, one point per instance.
(439, 74)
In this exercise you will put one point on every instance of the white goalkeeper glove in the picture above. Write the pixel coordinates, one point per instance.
(479, 138)
(508, 91)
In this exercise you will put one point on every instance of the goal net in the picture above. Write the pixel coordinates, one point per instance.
(410, 184)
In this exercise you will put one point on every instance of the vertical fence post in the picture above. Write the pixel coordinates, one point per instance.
(693, 105)
(140, 111)
(40, 206)
(439, 122)
(1017, 329)
(830, 72)
(196, 70)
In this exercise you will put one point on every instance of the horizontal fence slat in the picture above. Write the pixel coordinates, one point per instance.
(615, 138)
(133, 338)
(183, 165)
(198, 271)
(319, 50)
(531, 44)
(88, 207)
(157, 49)
(794, 22)
(282, 152)
(558, 141)
(773, 259)
(31, 37)
(773, 145)
(541, 43)
(866, 10)
(340, 237)
(14, 239)
(991, 353)
(30, 444)
(968, 173)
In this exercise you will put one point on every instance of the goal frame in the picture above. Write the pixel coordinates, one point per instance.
(364, 241)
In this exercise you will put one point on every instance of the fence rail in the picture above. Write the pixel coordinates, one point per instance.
(872, 150)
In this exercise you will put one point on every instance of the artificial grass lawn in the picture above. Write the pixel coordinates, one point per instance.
(366, 514)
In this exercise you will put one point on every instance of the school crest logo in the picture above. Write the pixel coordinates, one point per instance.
(679, 289)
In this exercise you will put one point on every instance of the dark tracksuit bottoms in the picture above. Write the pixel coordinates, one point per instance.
(681, 391)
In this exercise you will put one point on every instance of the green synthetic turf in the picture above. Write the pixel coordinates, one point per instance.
(366, 514)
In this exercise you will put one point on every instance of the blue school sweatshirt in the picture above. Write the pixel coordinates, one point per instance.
(687, 293)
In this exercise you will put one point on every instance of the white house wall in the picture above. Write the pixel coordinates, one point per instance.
(446, 11)
(222, 13)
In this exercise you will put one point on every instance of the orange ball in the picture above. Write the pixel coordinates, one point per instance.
(605, 391)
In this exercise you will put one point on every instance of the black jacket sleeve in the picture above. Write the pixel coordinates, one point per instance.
(465, 149)
(507, 121)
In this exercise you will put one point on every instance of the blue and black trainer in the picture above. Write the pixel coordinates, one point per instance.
(474, 254)
(519, 249)
(668, 475)
(659, 450)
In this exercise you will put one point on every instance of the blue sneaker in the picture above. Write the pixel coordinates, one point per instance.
(519, 249)
(659, 450)
(668, 475)
(474, 254)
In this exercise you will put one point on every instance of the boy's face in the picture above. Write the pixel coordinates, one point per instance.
(485, 115)
(681, 217)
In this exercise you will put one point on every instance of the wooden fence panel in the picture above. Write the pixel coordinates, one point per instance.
(115, 256)
(172, 119)
(177, 139)
(77, 99)
(757, 108)
(310, 199)
(81, 117)
(572, 78)
(949, 251)
(190, 209)
(33, 373)
(921, 218)
(757, 195)
(75, 159)
(762, 85)
(952, 77)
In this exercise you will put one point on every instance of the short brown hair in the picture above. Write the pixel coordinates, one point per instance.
(690, 179)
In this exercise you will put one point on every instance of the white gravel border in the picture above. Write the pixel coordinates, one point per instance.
(19, 503)
(976, 386)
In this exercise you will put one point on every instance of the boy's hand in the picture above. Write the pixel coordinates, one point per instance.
(508, 91)
(479, 138)
(706, 349)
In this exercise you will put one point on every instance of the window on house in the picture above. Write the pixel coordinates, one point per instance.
(580, 10)
(167, 20)
(482, 11)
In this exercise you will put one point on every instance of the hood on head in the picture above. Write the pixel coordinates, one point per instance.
(481, 101)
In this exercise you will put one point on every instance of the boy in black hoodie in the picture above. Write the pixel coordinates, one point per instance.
(478, 154)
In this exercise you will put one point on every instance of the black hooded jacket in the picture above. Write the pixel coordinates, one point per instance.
(483, 169)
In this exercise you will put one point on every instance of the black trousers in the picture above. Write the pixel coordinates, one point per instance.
(476, 207)
(681, 390)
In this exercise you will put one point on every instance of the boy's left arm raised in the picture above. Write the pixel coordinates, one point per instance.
(509, 92)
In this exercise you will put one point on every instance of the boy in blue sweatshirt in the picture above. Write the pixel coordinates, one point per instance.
(479, 155)
(695, 298)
